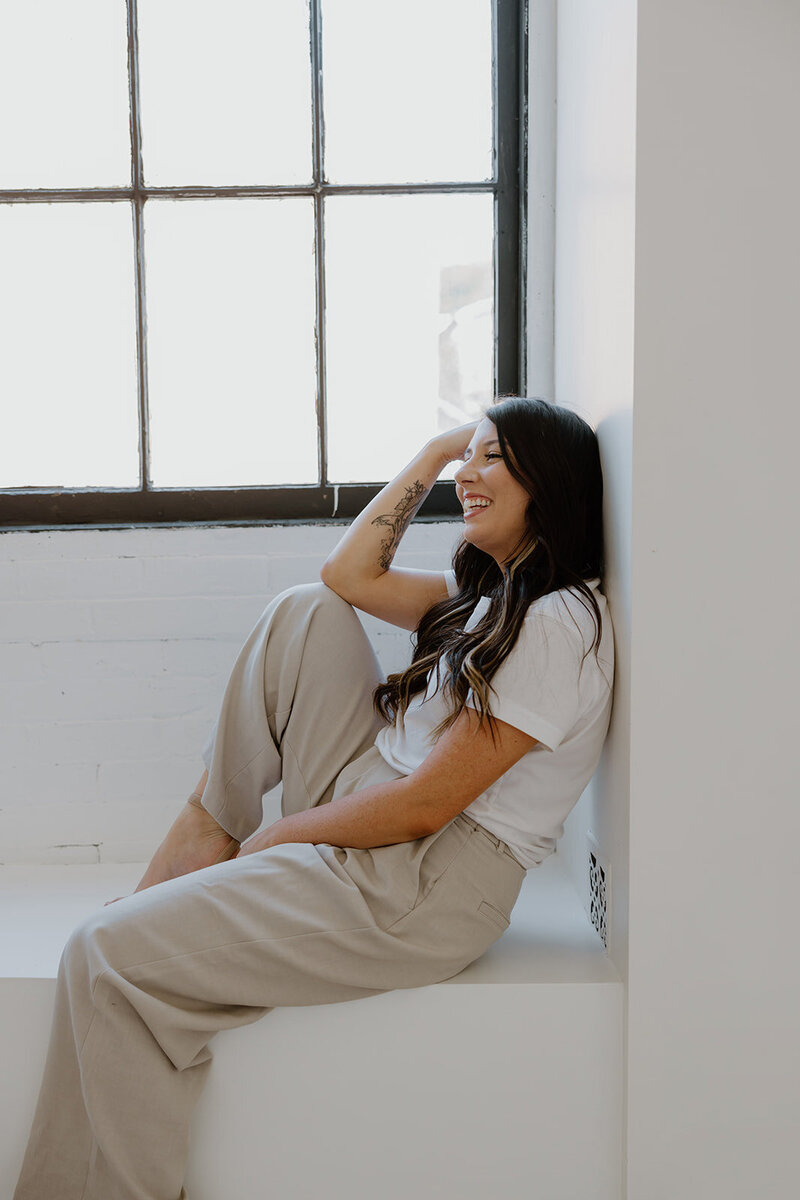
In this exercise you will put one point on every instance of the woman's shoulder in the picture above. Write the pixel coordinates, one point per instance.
(562, 603)
(571, 610)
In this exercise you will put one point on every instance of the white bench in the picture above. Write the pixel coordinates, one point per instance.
(503, 1082)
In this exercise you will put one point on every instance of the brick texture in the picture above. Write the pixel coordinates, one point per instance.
(115, 646)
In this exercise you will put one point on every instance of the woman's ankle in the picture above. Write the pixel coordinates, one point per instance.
(196, 797)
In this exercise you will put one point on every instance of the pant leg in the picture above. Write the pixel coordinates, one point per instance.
(148, 981)
(297, 709)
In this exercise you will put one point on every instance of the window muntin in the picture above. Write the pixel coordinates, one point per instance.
(501, 194)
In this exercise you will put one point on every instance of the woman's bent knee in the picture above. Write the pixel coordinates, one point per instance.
(98, 942)
(81, 959)
(312, 595)
(304, 601)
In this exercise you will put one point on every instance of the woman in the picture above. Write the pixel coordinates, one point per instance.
(445, 783)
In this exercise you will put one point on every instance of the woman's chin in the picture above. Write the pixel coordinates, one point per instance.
(475, 539)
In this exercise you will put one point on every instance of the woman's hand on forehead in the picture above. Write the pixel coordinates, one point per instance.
(454, 442)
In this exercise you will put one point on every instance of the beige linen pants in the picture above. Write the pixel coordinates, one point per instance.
(145, 983)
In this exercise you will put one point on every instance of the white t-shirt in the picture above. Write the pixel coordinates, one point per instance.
(545, 690)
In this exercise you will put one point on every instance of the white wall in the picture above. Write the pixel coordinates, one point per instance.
(115, 648)
(594, 265)
(714, 1100)
(704, 600)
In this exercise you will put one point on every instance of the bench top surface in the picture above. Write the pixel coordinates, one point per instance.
(550, 939)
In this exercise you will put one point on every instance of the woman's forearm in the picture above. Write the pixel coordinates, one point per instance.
(369, 544)
(466, 760)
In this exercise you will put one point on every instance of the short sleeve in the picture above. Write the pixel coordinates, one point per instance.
(450, 583)
(536, 689)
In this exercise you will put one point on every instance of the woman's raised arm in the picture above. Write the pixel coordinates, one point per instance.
(360, 568)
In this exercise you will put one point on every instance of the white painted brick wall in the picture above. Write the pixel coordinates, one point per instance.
(115, 646)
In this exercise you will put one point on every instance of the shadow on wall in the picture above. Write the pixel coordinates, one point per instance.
(600, 820)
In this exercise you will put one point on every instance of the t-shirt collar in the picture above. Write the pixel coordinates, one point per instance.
(477, 613)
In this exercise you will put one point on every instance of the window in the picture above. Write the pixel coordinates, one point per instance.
(251, 261)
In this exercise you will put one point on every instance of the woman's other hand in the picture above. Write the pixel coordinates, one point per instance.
(271, 836)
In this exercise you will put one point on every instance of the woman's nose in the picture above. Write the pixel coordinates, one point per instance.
(463, 474)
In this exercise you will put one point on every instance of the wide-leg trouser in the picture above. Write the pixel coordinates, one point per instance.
(145, 983)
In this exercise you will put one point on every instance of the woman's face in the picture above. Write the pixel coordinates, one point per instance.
(494, 503)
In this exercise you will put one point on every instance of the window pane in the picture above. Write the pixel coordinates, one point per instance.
(225, 92)
(408, 90)
(231, 352)
(68, 346)
(410, 325)
(64, 94)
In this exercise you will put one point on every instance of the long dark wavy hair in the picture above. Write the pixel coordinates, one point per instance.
(554, 454)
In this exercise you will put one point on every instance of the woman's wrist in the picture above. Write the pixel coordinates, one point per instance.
(430, 461)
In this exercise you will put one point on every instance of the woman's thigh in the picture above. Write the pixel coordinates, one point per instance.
(300, 924)
(320, 675)
(297, 708)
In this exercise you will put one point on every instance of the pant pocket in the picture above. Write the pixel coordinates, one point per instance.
(435, 856)
(494, 915)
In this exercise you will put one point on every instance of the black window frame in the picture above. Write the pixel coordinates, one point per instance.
(52, 508)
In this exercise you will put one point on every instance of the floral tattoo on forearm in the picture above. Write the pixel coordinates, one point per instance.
(398, 521)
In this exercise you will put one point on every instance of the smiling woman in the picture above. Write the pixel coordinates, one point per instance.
(484, 483)
(539, 536)
(411, 807)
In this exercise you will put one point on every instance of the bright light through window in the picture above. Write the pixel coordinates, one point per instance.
(260, 250)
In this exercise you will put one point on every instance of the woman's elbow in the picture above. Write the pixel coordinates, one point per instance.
(427, 809)
(328, 575)
(326, 572)
(425, 821)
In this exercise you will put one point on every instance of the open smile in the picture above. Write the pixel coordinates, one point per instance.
(472, 505)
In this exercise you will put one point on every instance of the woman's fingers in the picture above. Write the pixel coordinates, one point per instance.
(454, 442)
(264, 840)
